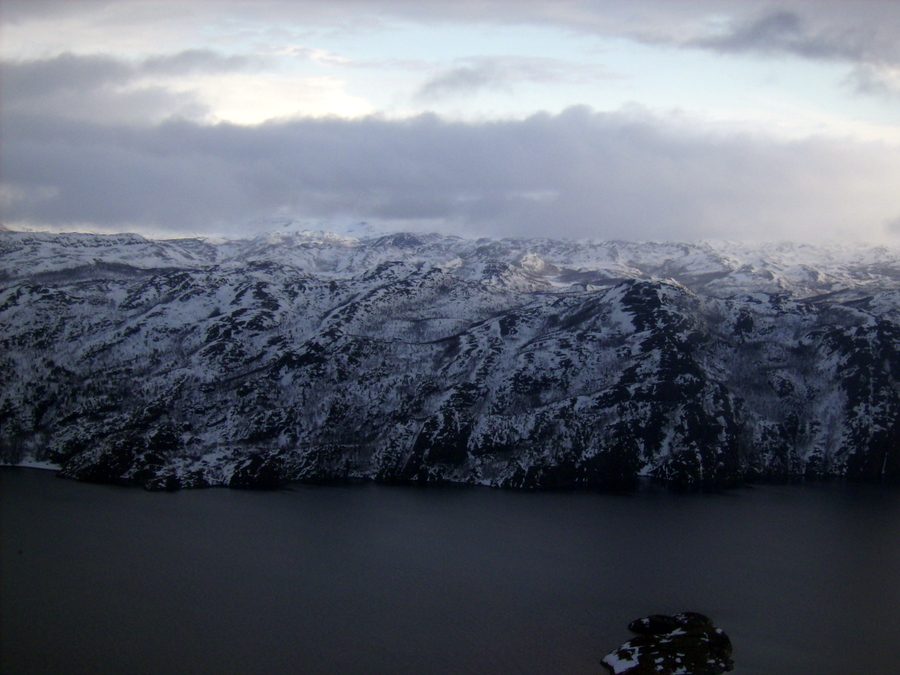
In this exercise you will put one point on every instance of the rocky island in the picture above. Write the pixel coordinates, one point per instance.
(682, 644)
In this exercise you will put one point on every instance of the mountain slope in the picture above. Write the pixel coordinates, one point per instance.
(516, 363)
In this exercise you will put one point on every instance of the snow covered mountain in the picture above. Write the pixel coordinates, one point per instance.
(417, 358)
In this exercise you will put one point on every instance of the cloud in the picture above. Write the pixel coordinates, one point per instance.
(194, 61)
(464, 80)
(850, 29)
(892, 226)
(316, 55)
(501, 73)
(628, 175)
(24, 79)
(125, 142)
(875, 80)
(40, 77)
(784, 32)
(103, 88)
(855, 33)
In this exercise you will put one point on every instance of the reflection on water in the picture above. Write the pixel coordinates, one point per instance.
(374, 579)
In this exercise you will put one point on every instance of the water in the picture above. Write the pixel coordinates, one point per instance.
(373, 579)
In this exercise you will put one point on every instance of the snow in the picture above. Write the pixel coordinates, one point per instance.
(510, 317)
(34, 464)
(619, 664)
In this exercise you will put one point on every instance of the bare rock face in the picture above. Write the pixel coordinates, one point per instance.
(682, 644)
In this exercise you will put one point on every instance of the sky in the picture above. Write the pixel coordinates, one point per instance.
(606, 119)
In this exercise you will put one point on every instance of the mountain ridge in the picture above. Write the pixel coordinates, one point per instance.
(426, 358)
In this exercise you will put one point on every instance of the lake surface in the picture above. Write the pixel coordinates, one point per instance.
(374, 579)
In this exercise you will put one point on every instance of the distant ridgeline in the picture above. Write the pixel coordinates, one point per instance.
(424, 358)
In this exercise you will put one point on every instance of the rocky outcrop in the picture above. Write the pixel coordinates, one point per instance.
(520, 364)
(682, 644)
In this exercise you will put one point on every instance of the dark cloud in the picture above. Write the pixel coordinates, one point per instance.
(78, 72)
(101, 87)
(579, 173)
(774, 31)
(15, 11)
(785, 32)
(195, 61)
(40, 77)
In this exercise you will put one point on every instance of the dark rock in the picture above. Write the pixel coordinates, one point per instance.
(685, 644)
(654, 624)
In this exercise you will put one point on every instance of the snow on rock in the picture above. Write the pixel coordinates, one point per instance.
(308, 355)
(682, 644)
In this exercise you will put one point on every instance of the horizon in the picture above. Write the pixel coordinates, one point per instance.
(343, 233)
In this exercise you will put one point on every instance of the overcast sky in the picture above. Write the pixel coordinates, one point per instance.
(637, 119)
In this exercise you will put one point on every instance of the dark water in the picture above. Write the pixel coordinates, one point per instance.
(370, 579)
